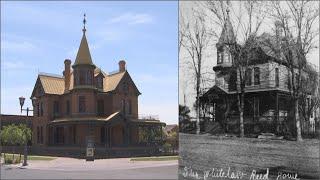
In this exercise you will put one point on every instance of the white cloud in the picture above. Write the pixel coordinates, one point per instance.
(132, 18)
(15, 46)
(13, 65)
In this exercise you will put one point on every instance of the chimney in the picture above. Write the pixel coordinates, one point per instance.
(66, 74)
(278, 37)
(122, 66)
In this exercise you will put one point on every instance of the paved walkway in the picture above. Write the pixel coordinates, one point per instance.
(72, 164)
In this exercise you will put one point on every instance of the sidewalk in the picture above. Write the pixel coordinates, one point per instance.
(72, 164)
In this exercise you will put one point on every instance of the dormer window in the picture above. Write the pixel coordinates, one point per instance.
(228, 58)
(220, 57)
(99, 82)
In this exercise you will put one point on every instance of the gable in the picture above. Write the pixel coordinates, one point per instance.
(49, 85)
(127, 81)
(37, 89)
(111, 82)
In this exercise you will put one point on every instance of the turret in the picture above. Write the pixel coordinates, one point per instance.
(227, 38)
(83, 65)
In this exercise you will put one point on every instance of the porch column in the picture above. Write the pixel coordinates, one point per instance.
(277, 113)
(54, 132)
(65, 134)
(109, 136)
(128, 135)
(105, 136)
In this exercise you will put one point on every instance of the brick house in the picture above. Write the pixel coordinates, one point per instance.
(88, 103)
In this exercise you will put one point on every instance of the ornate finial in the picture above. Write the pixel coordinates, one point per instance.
(84, 23)
(228, 4)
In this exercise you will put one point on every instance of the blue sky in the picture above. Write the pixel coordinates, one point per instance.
(38, 36)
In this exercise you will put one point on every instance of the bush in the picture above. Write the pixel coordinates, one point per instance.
(166, 147)
(9, 160)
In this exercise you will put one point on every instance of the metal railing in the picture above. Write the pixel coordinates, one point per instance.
(148, 117)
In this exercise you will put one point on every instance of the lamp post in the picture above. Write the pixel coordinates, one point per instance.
(21, 100)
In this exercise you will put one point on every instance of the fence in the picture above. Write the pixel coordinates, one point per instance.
(80, 152)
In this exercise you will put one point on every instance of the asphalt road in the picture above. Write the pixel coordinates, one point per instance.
(219, 157)
(163, 172)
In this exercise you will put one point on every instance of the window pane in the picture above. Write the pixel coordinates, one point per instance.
(82, 104)
(248, 79)
(256, 76)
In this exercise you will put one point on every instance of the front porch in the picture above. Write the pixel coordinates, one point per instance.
(264, 111)
(115, 131)
(105, 134)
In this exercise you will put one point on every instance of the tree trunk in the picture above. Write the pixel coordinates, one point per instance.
(296, 116)
(240, 107)
(198, 122)
(198, 107)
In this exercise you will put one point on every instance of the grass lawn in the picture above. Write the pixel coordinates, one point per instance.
(155, 158)
(201, 153)
(30, 157)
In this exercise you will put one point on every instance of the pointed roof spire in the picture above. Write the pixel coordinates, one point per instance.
(227, 34)
(83, 55)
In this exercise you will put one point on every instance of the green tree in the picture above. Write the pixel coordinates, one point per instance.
(13, 135)
(10, 135)
(24, 136)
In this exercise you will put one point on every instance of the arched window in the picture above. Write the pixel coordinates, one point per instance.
(41, 108)
(89, 77)
(248, 79)
(82, 104)
(99, 82)
(82, 77)
(277, 77)
(123, 106)
(219, 56)
(227, 57)
(256, 76)
(130, 107)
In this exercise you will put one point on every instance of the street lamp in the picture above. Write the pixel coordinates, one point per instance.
(21, 100)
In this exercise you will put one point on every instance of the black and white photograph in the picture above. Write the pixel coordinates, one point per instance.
(249, 105)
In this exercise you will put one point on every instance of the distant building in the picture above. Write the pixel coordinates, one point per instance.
(7, 119)
(172, 128)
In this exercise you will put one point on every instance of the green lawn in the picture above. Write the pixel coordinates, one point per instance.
(30, 157)
(155, 158)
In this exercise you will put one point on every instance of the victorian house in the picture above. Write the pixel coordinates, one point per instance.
(88, 103)
(267, 106)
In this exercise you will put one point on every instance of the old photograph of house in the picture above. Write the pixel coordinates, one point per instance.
(249, 104)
